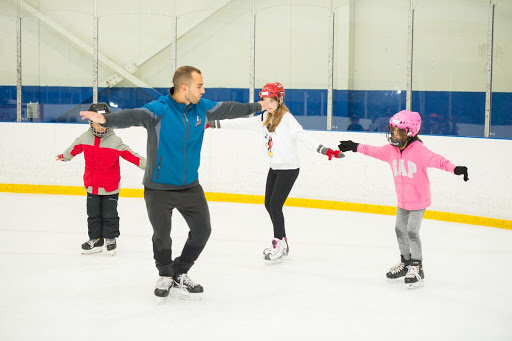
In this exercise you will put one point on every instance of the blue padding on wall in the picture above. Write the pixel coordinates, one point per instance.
(62, 104)
(375, 103)
(466, 107)
(501, 108)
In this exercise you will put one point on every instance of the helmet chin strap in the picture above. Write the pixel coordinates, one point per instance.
(96, 133)
(397, 142)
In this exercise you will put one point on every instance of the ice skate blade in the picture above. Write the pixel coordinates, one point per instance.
(287, 258)
(395, 280)
(93, 251)
(414, 285)
(273, 261)
(183, 294)
(160, 300)
(112, 252)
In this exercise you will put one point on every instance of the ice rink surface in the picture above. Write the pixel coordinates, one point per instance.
(333, 288)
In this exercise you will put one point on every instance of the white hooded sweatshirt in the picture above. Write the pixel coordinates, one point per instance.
(280, 146)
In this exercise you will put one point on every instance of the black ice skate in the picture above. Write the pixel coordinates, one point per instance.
(92, 246)
(185, 288)
(415, 275)
(163, 287)
(399, 270)
(111, 245)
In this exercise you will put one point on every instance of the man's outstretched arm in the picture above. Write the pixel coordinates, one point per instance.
(227, 110)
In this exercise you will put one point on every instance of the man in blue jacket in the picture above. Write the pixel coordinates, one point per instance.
(175, 125)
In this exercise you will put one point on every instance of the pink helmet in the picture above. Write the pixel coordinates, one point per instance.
(273, 90)
(410, 121)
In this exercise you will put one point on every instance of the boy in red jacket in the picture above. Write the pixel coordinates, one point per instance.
(102, 149)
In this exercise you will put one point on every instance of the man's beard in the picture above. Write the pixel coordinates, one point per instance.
(193, 100)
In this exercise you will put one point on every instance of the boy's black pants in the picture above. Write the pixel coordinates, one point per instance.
(103, 219)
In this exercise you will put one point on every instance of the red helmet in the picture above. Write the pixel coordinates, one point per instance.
(273, 90)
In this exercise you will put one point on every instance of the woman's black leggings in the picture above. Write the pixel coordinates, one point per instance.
(279, 185)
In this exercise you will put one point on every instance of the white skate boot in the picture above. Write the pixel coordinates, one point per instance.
(286, 250)
(276, 253)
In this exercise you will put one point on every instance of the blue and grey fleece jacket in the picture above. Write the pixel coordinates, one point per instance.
(175, 136)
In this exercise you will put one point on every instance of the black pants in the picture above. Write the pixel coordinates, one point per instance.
(192, 205)
(279, 185)
(103, 219)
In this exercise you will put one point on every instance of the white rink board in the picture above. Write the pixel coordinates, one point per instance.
(233, 162)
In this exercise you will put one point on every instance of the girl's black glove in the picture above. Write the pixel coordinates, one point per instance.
(462, 170)
(345, 146)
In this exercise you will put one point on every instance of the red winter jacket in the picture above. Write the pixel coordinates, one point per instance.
(102, 172)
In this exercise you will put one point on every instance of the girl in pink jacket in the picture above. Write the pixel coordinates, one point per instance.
(409, 160)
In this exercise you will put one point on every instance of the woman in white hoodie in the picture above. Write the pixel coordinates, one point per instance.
(280, 132)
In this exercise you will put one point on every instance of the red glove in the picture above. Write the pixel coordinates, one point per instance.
(331, 153)
(207, 126)
(60, 157)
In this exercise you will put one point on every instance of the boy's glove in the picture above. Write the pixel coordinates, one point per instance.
(329, 152)
(462, 170)
(60, 157)
(345, 146)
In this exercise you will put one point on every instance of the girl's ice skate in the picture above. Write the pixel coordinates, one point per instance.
(163, 287)
(92, 246)
(184, 288)
(400, 270)
(286, 251)
(415, 275)
(277, 253)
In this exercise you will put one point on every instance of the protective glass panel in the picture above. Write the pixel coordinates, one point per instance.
(449, 66)
(8, 74)
(501, 117)
(292, 47)
(134, 59)
(370, 63)
(214, 36)
(56, 61)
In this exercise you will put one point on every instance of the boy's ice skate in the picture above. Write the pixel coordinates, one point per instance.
(111, 245)
(400, 270)
(163, 287)
(415, 275)
(184, 288)
(278, 252)
(92, 246)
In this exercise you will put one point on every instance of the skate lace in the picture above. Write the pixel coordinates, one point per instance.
(110, 241)
(184, 279)
(92, 242)
(164, 283)
(397, 268)
(413, 271)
